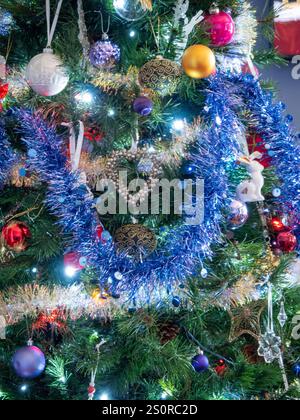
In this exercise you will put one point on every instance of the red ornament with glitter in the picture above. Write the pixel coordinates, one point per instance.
(220, 27)
(286, 242)
(277, 225)
(3, 90)
(15, 236)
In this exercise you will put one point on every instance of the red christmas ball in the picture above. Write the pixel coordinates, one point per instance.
(15, 236)
(3, 90)
(73, 260)
(221, 368)
(276, 224)
(286, 242)
(220, 27)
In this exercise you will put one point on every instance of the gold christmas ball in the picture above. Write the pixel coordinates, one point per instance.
(135, 240)
(199, 62)
(161, 75)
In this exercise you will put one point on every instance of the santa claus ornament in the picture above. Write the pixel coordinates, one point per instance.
(287, 27)
(45, 73)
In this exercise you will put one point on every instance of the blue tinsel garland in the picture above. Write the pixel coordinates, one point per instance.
(7, 156)
(6, 22)
(186, 246)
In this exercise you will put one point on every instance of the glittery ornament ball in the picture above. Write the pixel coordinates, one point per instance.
(161, 75)
(286, 242)
(104, 54)
(200, 363)
(6, 22)
(29, 362)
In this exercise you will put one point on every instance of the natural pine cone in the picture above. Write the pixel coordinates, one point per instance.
(168, 331)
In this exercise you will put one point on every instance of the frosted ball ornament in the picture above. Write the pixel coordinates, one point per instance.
(46, 75)
(130, 10)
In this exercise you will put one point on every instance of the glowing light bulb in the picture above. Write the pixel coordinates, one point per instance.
(104, 397)
(34, 270)
(164, 395)
(111, 112)
(70, 271)
(119, 4)
(132, 33)
(84, 97)
(178, 125)
(24, 388)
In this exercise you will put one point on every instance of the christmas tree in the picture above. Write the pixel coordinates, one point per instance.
(149, 204)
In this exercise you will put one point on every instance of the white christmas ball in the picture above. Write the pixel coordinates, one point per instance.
(292, 279)
(46, 75)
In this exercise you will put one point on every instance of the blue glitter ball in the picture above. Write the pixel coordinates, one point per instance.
(6, 22)
(296, 370)
(104, 54)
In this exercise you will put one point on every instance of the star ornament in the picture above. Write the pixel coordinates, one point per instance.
(245, 320)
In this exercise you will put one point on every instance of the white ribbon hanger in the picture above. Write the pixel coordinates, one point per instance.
(51, 28)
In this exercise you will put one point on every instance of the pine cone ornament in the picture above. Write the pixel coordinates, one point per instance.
(168, 332)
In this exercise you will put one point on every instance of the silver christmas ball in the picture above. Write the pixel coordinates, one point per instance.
(46, 75)
(130, 10)
(238, 215)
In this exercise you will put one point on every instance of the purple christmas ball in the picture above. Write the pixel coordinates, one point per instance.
(143, 106)
(104, 54)
(200, 363)
(29, 362)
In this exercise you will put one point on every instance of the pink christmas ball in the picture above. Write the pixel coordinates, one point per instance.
(221, 27)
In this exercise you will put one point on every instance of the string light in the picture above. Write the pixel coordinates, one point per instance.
(34, 270)
(178, 125)
(70, 271)
(84, 97)
(104, 397)
(132, 33)
(111, 112)
(24, 388)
